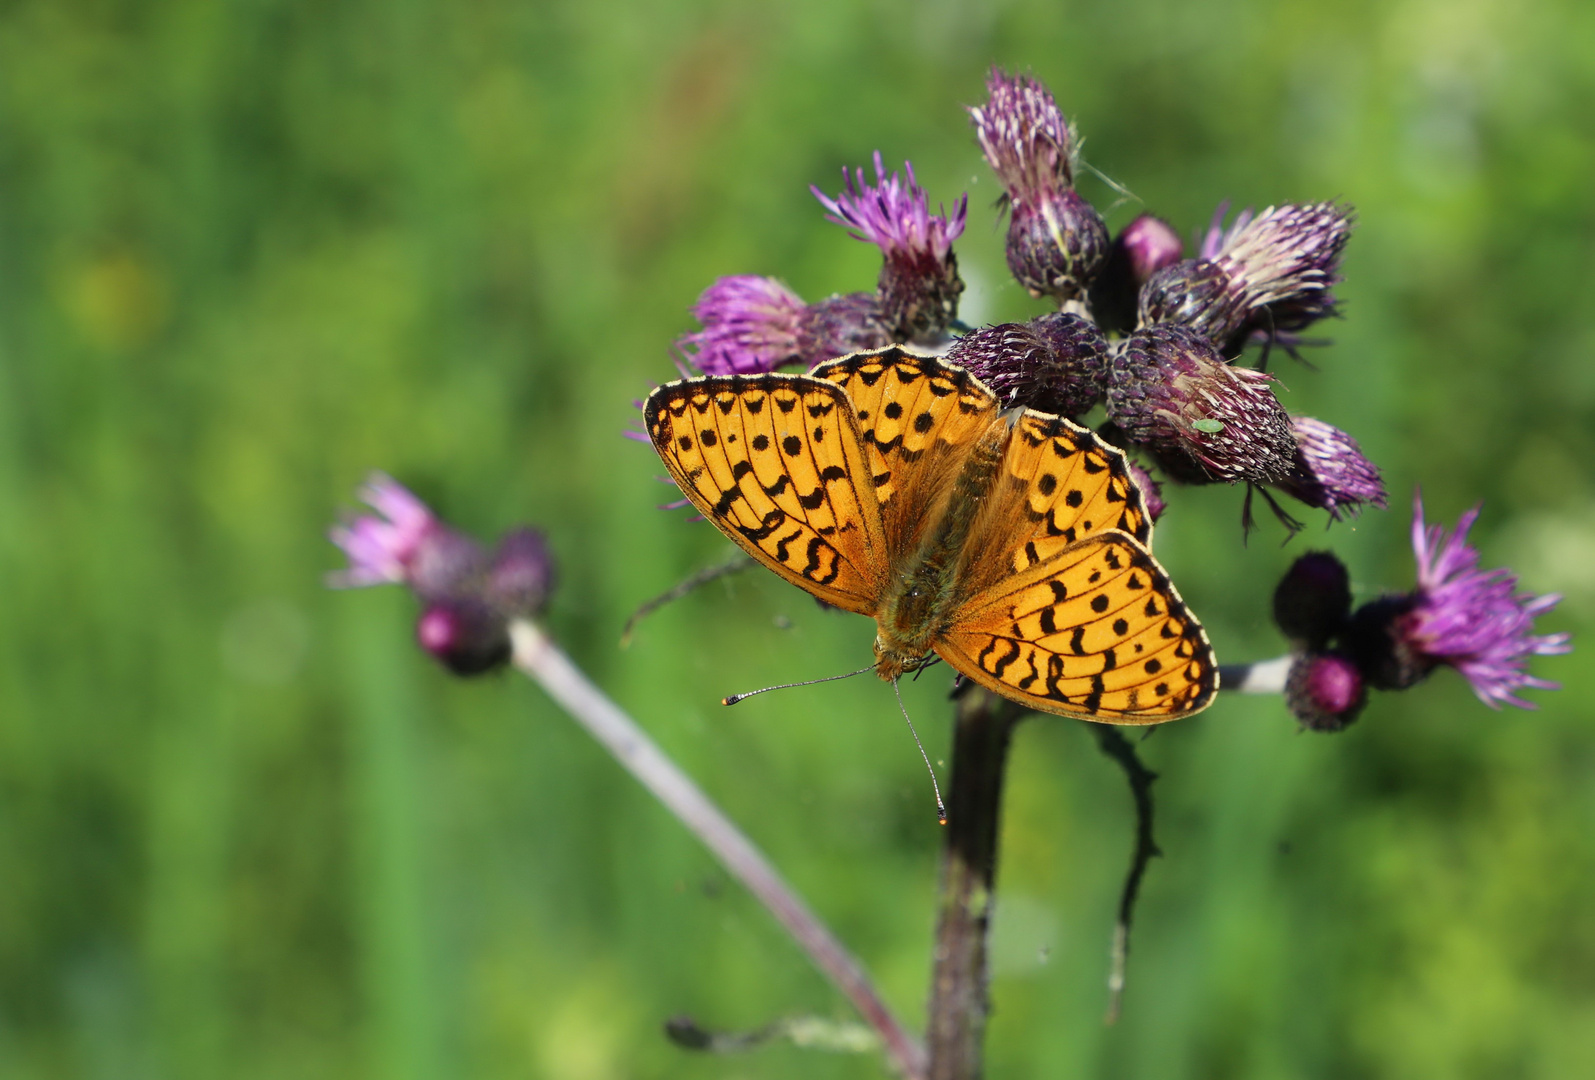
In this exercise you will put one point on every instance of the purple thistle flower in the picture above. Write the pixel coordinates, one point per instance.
(839, 325)
(469, 596)
(1325, 691)
(1056, 240)
(1214, 239)
(1269, 272)
(1472, 619)
(1170, 391)
(750, 326)
(1056, 363)
(1475, 620)
(919, 283)
(1285, 260)
(1331, 472)
(405, 545)
(1149, 244)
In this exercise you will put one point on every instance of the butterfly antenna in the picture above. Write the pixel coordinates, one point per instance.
(941, 809)
(734, 698)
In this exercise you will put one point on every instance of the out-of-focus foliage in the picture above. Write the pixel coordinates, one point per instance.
(249, 251)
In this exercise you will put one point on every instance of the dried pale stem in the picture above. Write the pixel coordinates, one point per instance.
(1263, 677)
(1122, 750)
(958, 1002)
(539, 658)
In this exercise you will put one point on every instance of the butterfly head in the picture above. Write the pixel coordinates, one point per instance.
(892, 660)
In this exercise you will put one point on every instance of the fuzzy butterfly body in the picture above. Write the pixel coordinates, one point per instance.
(1012, 543)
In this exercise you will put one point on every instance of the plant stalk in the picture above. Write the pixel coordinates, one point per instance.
(959, 1002)
(538, 657)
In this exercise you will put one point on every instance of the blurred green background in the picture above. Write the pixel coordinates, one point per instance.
(249, 251)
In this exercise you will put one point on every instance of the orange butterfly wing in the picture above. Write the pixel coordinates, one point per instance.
(777, 463)
(1097, 632)
(1062, 606)
(918, 417)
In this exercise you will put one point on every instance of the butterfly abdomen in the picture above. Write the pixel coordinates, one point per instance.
(922, 593)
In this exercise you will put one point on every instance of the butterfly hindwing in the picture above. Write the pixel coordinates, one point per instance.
(776, 462)
(1098, 632)
(918, 417)
(1075, 485)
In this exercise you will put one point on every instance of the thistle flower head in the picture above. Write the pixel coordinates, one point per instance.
(1287, 258)
(1169, 390)
(1325, 691)
(1196, 293)
(464, 634)
(1458, 615)
(1475, 620)
(1056, 363)
(404, 544)
(1270, 272)
(919, 284)
(1149, 244)
(1056, 240)
(469, 595)
(1313, 599)
(1024, 136)
(840, 325)
(750, 326)
(1330, 471)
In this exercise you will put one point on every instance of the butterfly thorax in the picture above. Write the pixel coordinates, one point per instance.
(921, 593)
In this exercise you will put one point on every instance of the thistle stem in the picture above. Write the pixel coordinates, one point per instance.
(1262, 677)
(540, 659)
(958, 1002)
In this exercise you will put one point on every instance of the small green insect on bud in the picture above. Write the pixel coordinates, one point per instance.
(1211, 427)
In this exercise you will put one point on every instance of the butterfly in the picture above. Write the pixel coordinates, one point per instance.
(1012, 543)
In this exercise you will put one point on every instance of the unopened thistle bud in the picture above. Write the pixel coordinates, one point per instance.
(1268, 272)
(1325, 691)
(752, 325)
(464, 634)
(1055, 364)
(919, 283)
(1331, 472)
(1142, 248)
(1169, 390)
(1313, 599)
(1056, 240)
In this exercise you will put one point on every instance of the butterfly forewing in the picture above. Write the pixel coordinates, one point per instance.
(1098, 632)
(776, 462)
(918, 418)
